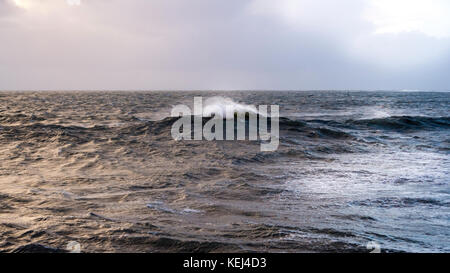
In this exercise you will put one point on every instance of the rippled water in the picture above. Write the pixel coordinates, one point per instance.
(102, 169)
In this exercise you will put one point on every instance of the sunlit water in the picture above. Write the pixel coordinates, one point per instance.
(102, 169)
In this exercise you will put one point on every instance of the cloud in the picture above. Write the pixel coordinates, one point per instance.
(205, 44)
(388, 34)
(325, 16)
(6, 8)
(428, 17)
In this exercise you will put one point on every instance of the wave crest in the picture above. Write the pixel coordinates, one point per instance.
(219, 106)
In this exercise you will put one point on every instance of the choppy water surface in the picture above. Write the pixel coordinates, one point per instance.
(102, 169)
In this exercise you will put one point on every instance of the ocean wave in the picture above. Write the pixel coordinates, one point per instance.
(404, 123)
(391, 123)
(285, 124)
(404, 202)
(220, 105)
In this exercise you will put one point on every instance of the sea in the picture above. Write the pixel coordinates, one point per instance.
(355, 171)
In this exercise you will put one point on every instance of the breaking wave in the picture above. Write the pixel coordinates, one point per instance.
(220, 105)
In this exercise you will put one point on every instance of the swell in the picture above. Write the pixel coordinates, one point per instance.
(393, 123)
(137, 127)
(333, 129)
(298, 138)
(313, 128)
(397, 202)
(285, 125)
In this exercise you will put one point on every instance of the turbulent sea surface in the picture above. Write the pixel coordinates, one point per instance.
(102, 169)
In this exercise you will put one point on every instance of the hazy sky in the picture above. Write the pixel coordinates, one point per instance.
(224, 44)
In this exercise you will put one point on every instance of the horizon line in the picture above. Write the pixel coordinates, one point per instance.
(222, 90)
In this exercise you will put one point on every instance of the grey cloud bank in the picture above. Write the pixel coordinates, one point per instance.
(204, 44)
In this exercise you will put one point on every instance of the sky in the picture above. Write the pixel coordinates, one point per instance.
(224, 44)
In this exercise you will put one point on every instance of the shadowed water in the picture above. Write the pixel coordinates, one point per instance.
(102, 169)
